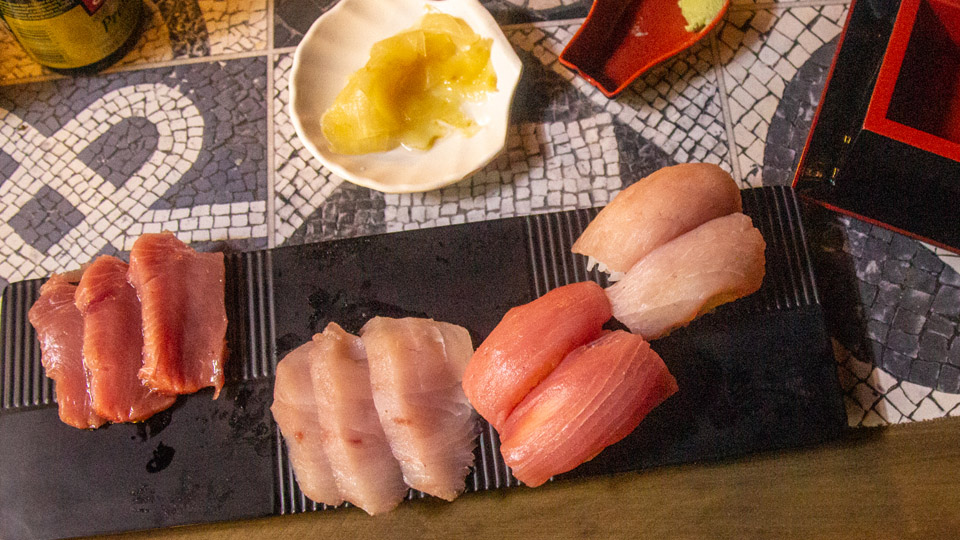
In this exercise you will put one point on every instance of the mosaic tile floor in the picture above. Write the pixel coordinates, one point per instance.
(190, 133)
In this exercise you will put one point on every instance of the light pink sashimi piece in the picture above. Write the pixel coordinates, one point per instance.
(294, 409)
(59, 327)
(595, 397)
(184, 315)
(416, 366)
(718, 262)
(655, 210)
(113, 344)
(363, 465)
(528, 343)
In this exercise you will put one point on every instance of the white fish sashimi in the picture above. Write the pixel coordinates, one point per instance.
(363, 465)
(718, 262)
(295, 411)
(416, 367)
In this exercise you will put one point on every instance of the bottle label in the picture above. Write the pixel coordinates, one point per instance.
(68, 34)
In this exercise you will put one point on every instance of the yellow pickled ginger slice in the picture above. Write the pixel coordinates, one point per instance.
(412, 90)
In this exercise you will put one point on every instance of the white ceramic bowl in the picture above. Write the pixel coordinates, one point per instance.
(338, 44)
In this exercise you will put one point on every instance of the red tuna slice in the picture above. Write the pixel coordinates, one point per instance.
(655, 210)
(59, 326)
(528, 343)
(294, 409)
(113, 344)
(718, 262)
(363, 465)
(596, 396)
(184, 316)
(416, 366)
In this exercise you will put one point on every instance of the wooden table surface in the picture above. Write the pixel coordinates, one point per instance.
(898, 482)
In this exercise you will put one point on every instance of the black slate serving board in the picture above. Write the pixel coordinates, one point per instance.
(754, 375)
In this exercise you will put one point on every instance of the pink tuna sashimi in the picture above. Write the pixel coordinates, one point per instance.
(596, 396)
(184, 315)
(113, 344)
(655, 210)
(528, 343)
(295, 411)
(363, 465)
(59, 327)
(718, 262)
(416, 366)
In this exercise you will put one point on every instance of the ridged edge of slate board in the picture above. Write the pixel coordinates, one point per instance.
(253, 340)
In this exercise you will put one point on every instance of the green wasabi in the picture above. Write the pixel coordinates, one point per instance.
(699, 13)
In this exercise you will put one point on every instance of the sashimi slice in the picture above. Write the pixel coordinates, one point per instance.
(596, 396)
(184, 316)
(363, 465)
(113, 344)
(294, 409)
(416, 366)
(655, 210)
(718, 262)
(528, 343)
(59, 327)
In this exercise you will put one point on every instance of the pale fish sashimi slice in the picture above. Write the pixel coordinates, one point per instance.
(655, 210)
(294, 409)
(528, 343)
(363, 465)
(184, 315)
(718, 262)
(113, 344)
(416, 366)
(595, 397)
(59, 327)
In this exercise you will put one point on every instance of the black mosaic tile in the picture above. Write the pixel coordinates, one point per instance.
(877, 330)
(933, 347)
(902, 248)
(45, 219)
(924, 373)
(7, 166)
(791, 122)
(916, 301)
(903, 343)
(953, 357)
(896, 364)
(349, 211)
(292, 19)
(949, 380)
(122, 150)
(908, 322)
(947, 302)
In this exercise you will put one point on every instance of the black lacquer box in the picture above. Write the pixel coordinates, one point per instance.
(885, 143)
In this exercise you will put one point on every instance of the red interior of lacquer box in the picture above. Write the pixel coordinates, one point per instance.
(917, 97)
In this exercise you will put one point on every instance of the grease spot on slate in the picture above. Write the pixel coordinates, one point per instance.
(162, 457)
(152, 426)
(353, 311)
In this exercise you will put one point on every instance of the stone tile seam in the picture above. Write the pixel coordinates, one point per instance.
(725, 109)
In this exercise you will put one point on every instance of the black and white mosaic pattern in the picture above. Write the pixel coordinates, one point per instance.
(95, 162)
(203, 145)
